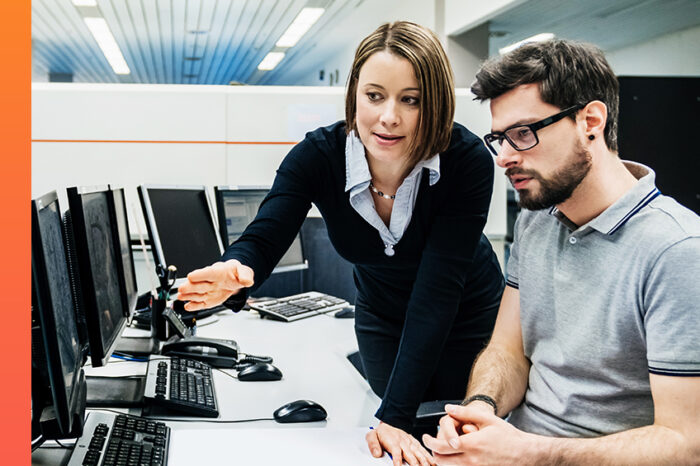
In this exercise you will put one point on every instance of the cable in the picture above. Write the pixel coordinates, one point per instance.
(232, 421)
(225, 373)
(64, 446)
(37, 442)
(126, 357)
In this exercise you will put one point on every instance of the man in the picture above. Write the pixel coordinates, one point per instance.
(595, 355)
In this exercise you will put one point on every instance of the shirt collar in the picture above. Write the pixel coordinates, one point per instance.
(615, 216)
(357, 172)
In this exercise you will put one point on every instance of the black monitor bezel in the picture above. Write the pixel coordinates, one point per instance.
(99, 353)
(128, 301)
(43, 306)
(152, 228)
(219, 193)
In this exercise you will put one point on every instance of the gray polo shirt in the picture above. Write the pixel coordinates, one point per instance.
(602, 306)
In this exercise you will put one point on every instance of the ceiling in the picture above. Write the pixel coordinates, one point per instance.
(173, 41)
(608, 24)
(223, 41)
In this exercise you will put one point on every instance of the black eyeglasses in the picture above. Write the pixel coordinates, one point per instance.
(524, 137)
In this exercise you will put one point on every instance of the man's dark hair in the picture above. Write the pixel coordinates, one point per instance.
(567, 72)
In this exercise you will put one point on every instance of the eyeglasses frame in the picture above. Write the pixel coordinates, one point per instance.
(534, 127)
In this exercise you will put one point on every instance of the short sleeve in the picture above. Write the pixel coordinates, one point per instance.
(671, 299)
(512, 266)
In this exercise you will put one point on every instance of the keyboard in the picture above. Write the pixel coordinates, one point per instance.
(181, 385)
(298, 306)
(118, 439)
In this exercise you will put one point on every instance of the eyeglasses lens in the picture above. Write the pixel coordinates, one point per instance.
(522, 137)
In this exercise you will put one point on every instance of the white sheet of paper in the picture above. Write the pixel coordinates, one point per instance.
(284, 446)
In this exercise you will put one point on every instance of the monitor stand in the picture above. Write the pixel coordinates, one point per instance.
(144, 346)
(48, 422)
(138, 346)
(115, 392)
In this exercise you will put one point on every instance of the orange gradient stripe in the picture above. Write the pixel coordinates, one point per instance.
(118, 141)
(15, 239)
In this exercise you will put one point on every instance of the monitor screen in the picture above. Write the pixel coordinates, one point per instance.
(181, 227)
(95, 248)
(236, 208)
(52, 308)
(125, 257)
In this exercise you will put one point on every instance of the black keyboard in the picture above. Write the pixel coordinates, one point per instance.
(298, 306)
(181, 385)
(113, 440)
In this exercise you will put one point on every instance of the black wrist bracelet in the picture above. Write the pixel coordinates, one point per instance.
(484, 398)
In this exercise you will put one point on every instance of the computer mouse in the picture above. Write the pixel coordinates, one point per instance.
(345, 313)
(259, 372)
(300, 411)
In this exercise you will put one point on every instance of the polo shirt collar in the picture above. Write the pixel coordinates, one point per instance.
(357, 174)
(614, 217)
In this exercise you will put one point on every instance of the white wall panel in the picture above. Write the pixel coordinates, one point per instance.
(243, 124)
(128, 112)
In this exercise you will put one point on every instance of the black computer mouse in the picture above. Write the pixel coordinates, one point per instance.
(300, 411)
(346, 313)
(258, 372)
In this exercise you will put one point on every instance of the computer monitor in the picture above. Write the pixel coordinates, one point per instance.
(97, 255)
(181, 227)
(125, 257)
(237, 207)
(57, 380)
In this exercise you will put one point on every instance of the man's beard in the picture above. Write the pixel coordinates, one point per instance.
(557, 188)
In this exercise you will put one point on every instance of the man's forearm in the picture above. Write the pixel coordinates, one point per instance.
(501, 375)
(649, 445)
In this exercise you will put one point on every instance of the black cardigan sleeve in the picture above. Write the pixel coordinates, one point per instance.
(281, 214)
(441, 277)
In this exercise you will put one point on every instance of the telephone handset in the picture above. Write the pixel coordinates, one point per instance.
(215, 352)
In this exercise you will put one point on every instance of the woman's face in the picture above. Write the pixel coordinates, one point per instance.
(387, 112)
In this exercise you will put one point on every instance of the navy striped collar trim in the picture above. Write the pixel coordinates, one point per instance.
(653, 194)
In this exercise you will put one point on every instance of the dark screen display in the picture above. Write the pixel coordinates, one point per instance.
(124, 248)
(240, 208)
(103, 265)
(185, 228)
(657, 117)
(59, 289)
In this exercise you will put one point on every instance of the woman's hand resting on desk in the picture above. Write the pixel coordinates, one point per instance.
(400, 445)
(211, 286)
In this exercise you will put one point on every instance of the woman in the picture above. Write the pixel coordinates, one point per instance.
(404, 193)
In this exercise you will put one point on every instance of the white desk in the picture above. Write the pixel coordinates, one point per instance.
(311, 353)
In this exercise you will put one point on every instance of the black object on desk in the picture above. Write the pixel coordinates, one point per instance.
(217, 353)
(300, 411)
(259, 372)
(345, 313)
(181, 385)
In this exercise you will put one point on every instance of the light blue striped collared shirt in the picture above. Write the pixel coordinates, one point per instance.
(357, 178)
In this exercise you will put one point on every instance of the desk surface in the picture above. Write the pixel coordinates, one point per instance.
(311, 353)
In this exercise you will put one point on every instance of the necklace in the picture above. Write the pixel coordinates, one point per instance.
(378, 192)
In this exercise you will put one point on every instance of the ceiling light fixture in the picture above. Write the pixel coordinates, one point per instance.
(270, 61)
(103, 35)
(301, 24)
(536, 38)
(85, 2)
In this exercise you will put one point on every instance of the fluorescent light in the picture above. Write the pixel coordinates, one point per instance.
(85, 2)
(270, 61)
(302, 23)
(102, 34)
(536, 38)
